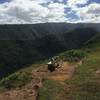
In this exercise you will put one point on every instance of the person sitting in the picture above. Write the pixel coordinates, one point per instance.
(51, 66)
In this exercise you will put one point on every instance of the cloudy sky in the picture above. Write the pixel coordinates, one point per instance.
(42, 11)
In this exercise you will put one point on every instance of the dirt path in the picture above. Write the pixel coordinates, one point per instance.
(63, 73)
(30, 91)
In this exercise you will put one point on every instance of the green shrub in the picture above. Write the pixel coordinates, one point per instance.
(73, 55)
(15, 80)
(51, 90)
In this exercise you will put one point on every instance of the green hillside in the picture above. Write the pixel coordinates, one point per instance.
(19, 57)
(84, 85)
(22, 45)
(85, 82)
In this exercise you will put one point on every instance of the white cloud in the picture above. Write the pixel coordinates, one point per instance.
(25, 11)
(56, 12)
(89, 13)
(72, 3)
(32, 11)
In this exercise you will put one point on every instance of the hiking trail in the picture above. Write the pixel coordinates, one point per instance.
(30, 91)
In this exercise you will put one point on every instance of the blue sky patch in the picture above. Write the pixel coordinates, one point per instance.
(72, 15)
(2, 1)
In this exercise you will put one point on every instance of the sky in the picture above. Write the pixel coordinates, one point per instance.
(43, 11)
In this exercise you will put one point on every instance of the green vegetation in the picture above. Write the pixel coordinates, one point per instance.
(85, 82)
(84, 85)
(15, 80)
(21, 46)
(19, 78)
(16, 54)
(73, 55)
(51, 90)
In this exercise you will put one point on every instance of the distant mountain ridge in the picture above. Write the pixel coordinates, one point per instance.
(33, 31)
